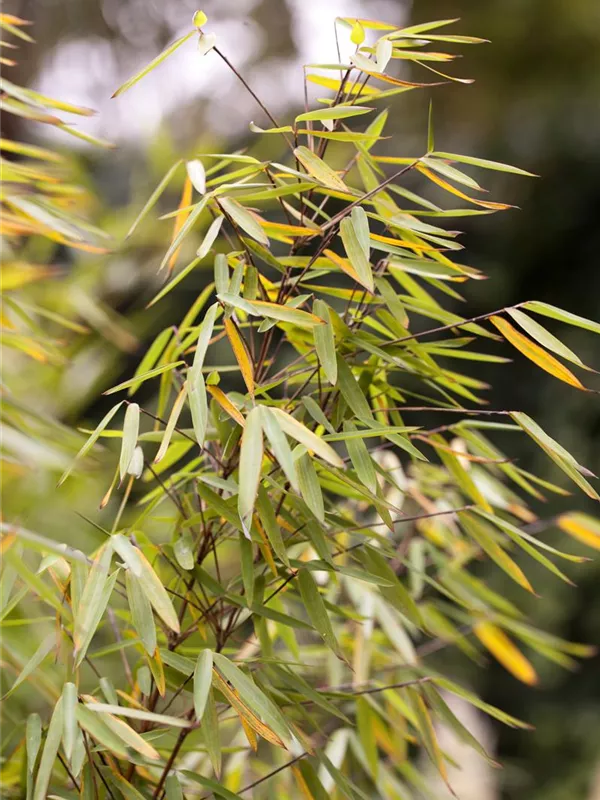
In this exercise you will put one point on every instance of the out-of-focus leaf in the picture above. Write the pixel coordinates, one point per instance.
(45, 647)
(501, 647)
(33, 740)
(154, 197)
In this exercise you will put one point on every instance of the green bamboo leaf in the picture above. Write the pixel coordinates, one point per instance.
(484, 163)
(396, 594)
(202, 682)
(97, 728)
(351, 391)
(251, 455)
(130, 554)
(216, 788)
(131, 429)
(91, 441)
(173, 790)
(334, 112)
(204, 336)
(45, 647)
(556, 452)
(316, 610)
(310, 440)
(198, 408)
(172, 423)
(324, 339)
(221, 273)
(181, 234)
(156, 593)
(210, 237)
(136, 713)
(141, 613)
(50, 751)
(97, 592)
(154, 197)
(69, 702)
(279, 445)
(139, 379)
(360, 458)
(210, 733)
(258, 701)
(151, 356)
(309, 486)
(242, 217)
(168, 287)
(354, 231)
(366, 725)
(33, 740)
(544, 337)
(563, 316)
(154, 63)
(319, 170)
(247, 566)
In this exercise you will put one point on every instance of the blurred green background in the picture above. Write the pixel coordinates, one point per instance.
(534, 103)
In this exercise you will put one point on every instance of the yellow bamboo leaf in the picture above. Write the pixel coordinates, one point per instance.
(582, 527)
(266, 547)
(453, 190)
(535, 353)
(401, 243)
(334, 84)
(501, 647)
(302, 785)
(343, 264)
(241, 354)
(15, 274)
(183, 214)
(226, 404)
(291, 230)
(250, 735)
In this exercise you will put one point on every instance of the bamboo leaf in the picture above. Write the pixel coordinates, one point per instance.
(202, 682)
(198, 408)
(154, 63)
(484, 163)
(360, 458)
(535, 353)
(354, 231)
(319, 170)
(241, 355)
(544, 337)
(154, 197)
(562, 316)
(351, 391)
(251, 456)
(172, 423)
(139, 379)
(582, 527)
(324, 339)
(50, 751)
(280, 446)
(501, 647)
(69, 703)
(141, 613)
(309, 486)
(335, 112)
(316, 610)
(45, 647)
(131, 428)
(210, 237)
(93, 602)
(92, 440)
(136, 713)
(242, 217)
(156, 593)
(33, 740)
(310, 440)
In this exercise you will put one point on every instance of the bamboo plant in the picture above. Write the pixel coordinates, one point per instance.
(294, 529)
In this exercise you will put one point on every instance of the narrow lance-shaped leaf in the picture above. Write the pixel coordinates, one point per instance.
(92, 440)
(582, 527)
(562, 316)
(141, 613)
(501, 647)
(172, 423)
(242, 217)
(45, 647)
(210, 237)
(361, 460)
(33, 740)
(319, 169)
(196, 174)
(324, 339)
(154, 197)
(198, 408)
(251, 456)
(202, 681)
(354, 231)
(280, 446)
(247, 566)
(351, 391)
(335, 112)
(241, 354)
(154, 63)
(544, 337)
(535, 353)
(310, 487)
(50, 751)
(310, 440)
(131, 427)
(69, 700)
(156, 593)
(317, 611)
(90, 608)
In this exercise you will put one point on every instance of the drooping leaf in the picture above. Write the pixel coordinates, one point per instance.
(154, 63)
(501, 647)
(251, 456)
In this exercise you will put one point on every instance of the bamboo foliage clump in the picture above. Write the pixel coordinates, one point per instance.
(292, 541)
